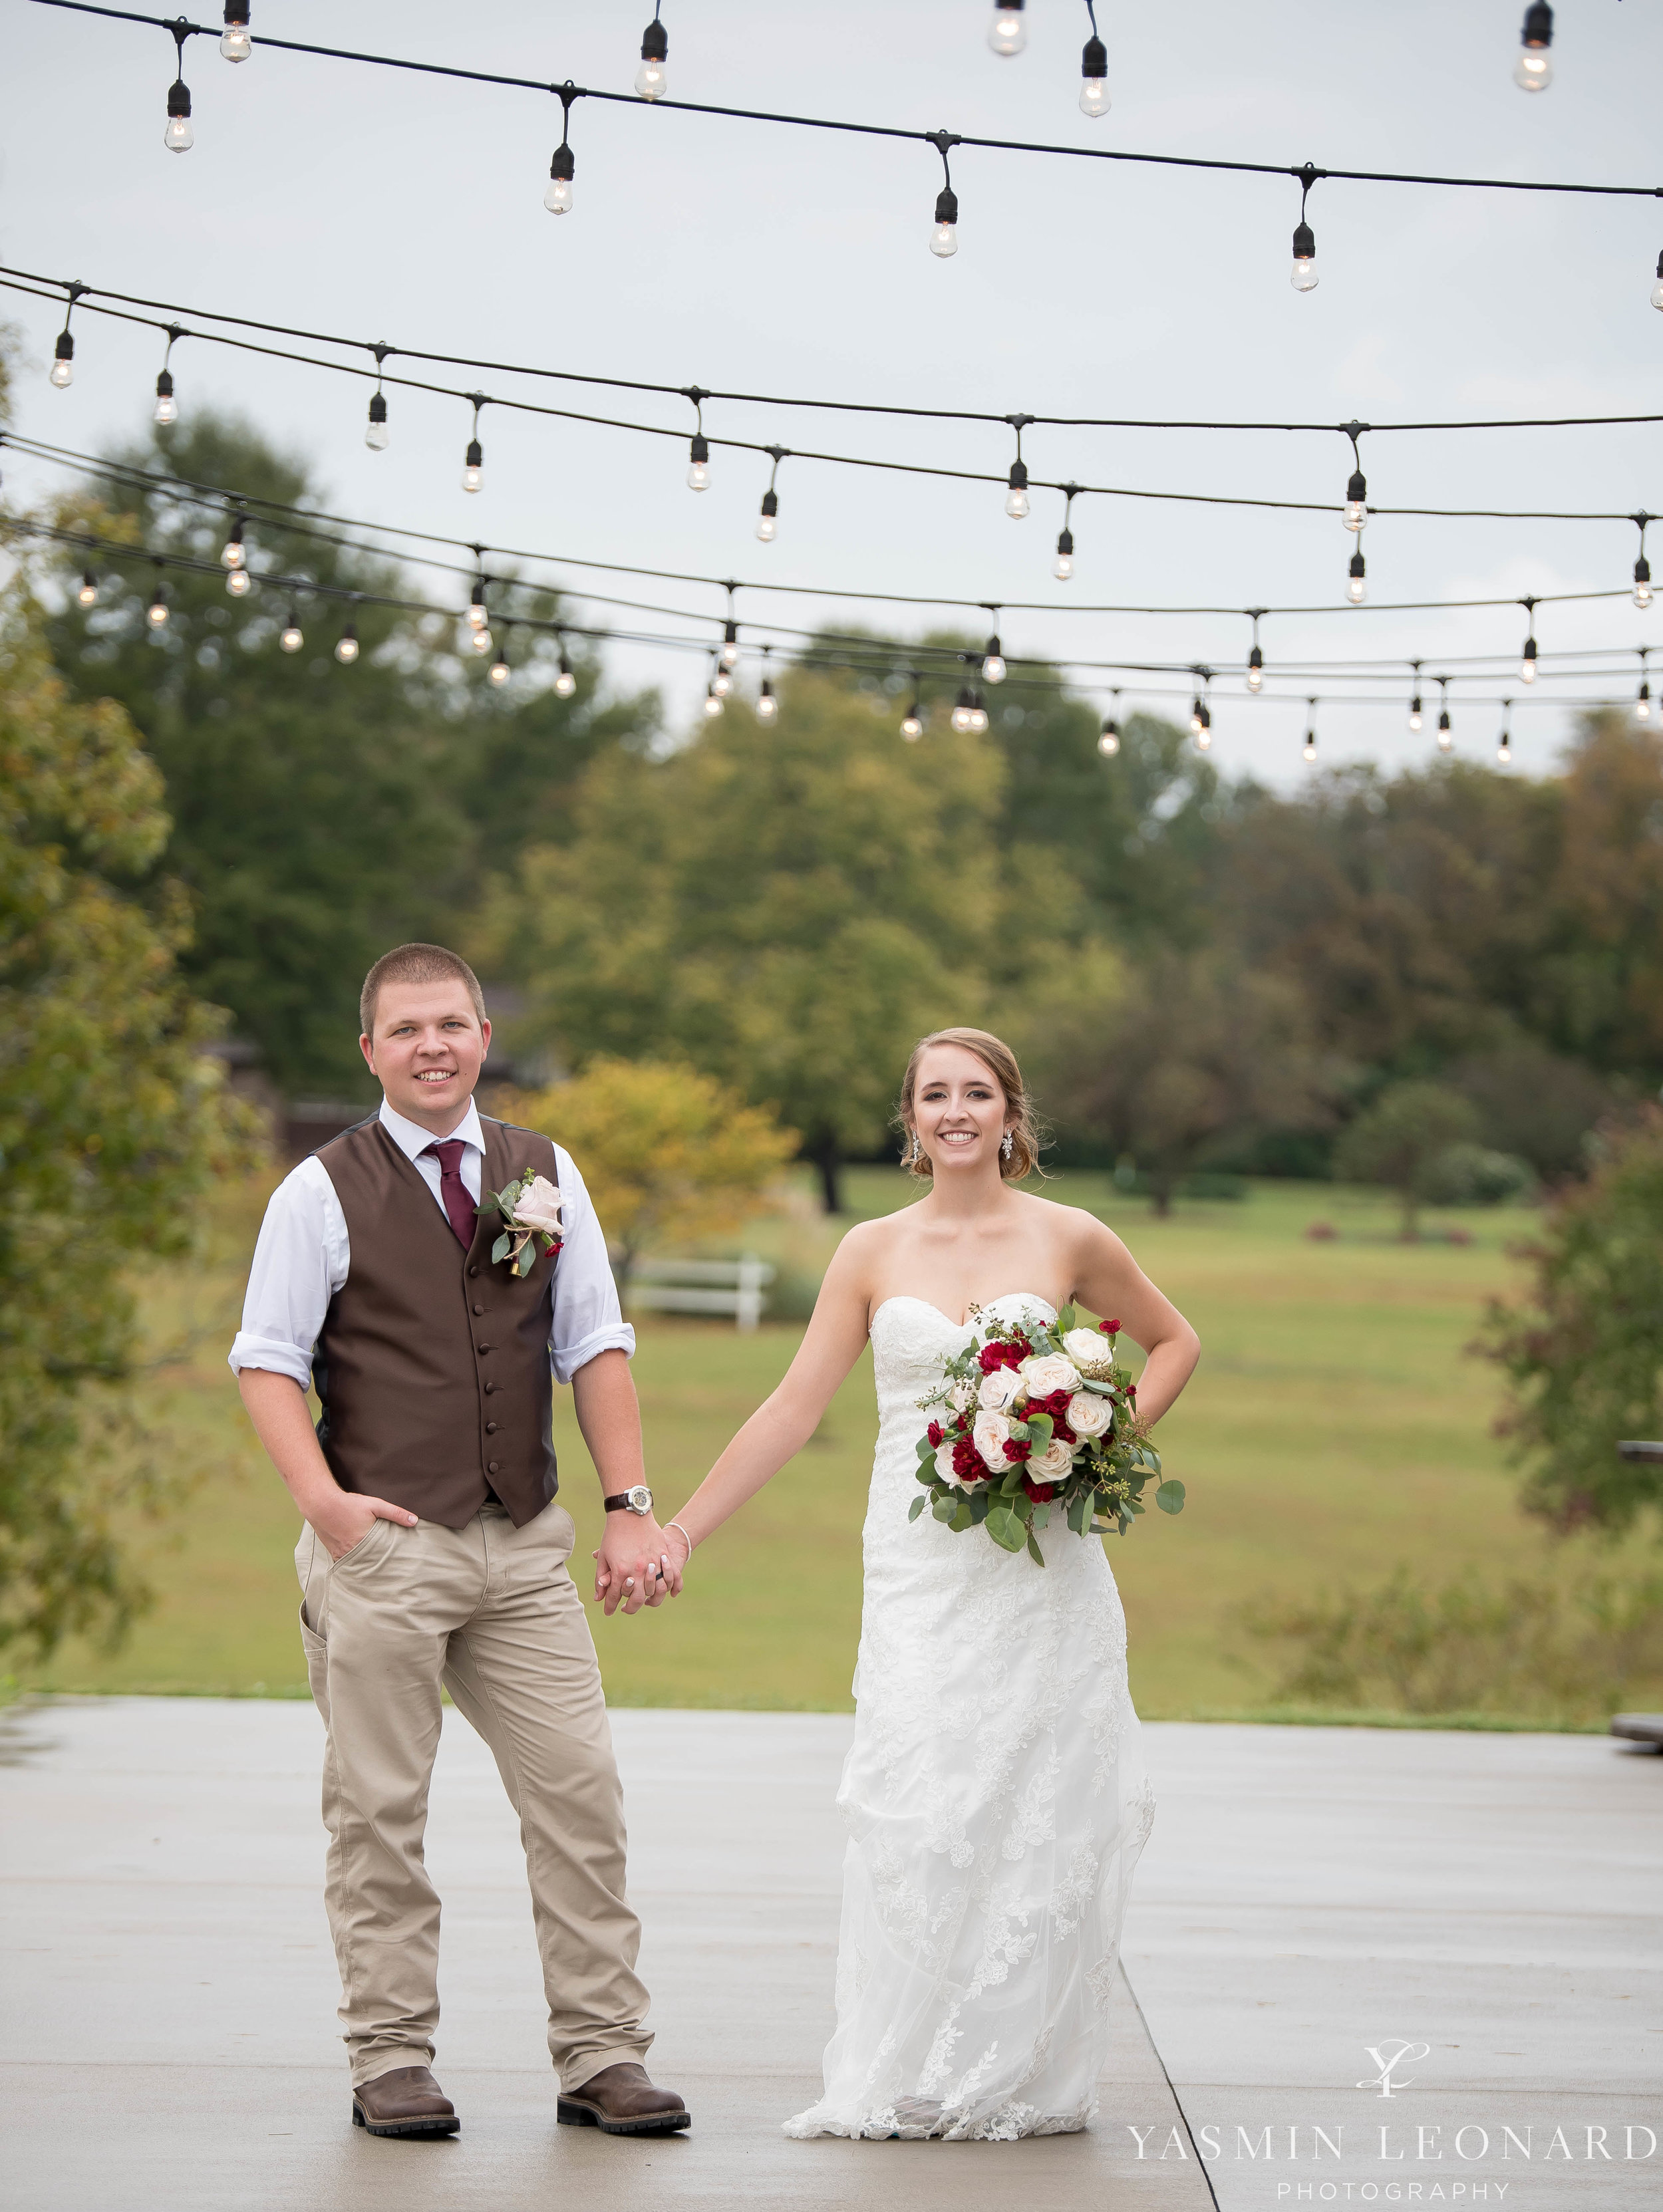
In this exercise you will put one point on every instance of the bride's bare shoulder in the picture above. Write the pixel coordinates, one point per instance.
(1072, 1228)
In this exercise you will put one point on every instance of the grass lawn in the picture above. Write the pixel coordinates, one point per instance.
(1335, 1427)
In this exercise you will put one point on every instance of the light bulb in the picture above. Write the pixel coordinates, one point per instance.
(1063, 566)
(768, 522)
(1415, 714)
(712, 704)
(166, 409)
(649, 78)
(944, 238)
(565, 683)
(730, 646)
(480, 640)
(1196, 723)
(912, 724)
(293, 637)
(239, 583)
(698, 464)
(499, 669)
(1445, 735)
(1304, 278)
(1108, 743)
(232, 553)
(559, 198)
(156, 613)
(963, 717)
(235, 45)
(1642, 582)
(1203, 740)
(1533, 70)
(722, 683)
(767, 705)
(1357, 590)
(1016, 499)
(1527, 664)
(1007, 33)
(1657, 289)
(1642, 705)
(979, 713)
(1255, 668)
(346, 646)
(477, 618)
(1504, 748)
(87, 595)
(1357, 497)
(1094, 74)
(473, 466)
(993, 664)
(376, 436)
(63, 368)
(1309, 748)
(179, 137)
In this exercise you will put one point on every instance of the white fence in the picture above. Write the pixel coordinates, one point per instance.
(703, 1286)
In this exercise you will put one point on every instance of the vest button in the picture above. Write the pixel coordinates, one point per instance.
(478, 1310)
(490, 1386)
(492, 1467)
(473, 1271)
(484, 1347)
(490, 1428)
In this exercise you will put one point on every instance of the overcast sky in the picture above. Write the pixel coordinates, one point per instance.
(758, 258)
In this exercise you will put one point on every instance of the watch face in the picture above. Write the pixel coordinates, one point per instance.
(641, 1498)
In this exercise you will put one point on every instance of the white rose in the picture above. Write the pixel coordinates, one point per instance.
(1053, 1463)
(962, 1396)
(999, 1390)
(1048, 1372)
(1089, 1416)
(539, 1207)
(944, 1463)
(991, 1433)
(1089, 1350)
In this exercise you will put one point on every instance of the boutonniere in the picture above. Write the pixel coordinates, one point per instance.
(529, 1210)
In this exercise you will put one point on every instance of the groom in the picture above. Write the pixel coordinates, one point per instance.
(435, 1550)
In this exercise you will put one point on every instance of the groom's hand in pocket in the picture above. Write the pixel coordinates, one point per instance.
(635, 1565)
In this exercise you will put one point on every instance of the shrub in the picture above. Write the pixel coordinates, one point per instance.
(1470, 1175)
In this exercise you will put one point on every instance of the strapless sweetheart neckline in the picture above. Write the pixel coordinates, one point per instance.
(906, 1298)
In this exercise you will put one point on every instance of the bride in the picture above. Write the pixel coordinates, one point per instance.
(995, 1792)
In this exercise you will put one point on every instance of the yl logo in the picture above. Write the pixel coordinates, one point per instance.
(1388, 2058)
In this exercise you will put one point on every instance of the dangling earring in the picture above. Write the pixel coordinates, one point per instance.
(1005, 1149)
(918, 1150)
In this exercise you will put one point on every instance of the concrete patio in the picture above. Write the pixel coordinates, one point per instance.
(169, 2037)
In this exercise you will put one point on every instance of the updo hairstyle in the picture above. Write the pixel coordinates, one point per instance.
(996, 1056)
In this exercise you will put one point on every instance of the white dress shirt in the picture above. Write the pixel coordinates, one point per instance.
(303, 1255)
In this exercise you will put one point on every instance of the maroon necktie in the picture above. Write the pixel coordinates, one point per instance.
(452, 1191)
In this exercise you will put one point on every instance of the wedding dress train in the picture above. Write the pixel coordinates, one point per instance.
(995, 1801)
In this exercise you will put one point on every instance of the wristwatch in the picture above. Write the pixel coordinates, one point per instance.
(638, 1500)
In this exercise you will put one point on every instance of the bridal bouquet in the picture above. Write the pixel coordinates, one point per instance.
(1035, 1417)
(529, 1210)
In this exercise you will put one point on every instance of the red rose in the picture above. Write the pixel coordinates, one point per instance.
(998, 1354)
(1040, 1492)
(1131, 1389)
(1056, 1404)
(967, 1463)
(1063, 1434)
(1109, 1327)
(936, 1434)
(1017, 1450)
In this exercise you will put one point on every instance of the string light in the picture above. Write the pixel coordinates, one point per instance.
(166, 409)
(979, 713)
(1642, 704)
(63, 368)
(1016, 498)
(477, 616)
(1108, 740)
(1446, 733)
(565, 682)
(346, 645)
(963, 712)
(179, 137)
(293, 637)
(1201, 714)
(1504, 743)
(499, 671)
(156, 613)
(698, 453)
(559, 198)
(767, 705)
(239, 583)
(1356, 589)
(235, 45)
(233, 554)
(1255, 658)
(1533, 70)
(87, 594)
(377, 437)
(1304, 277)
(1355, 516)
(1093, 71)
(912, 722)
(1309, 749)
(1642, 567)
(1063, 566)
(768, 520)
(1657, 289)
(1415, 716)
(993, 661)
(474, 461)
(944, 232)
(713, 694)
(650, 81)
(1527, 658)
(1007, 33)
(722, 683)
(480, 641)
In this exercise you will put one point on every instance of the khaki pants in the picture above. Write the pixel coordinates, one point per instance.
(491, 1612)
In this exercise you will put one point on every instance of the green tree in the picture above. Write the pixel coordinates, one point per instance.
(111, 1118)
(1184, 1053)
(1399, 1140)
(320, 812)
(788, 908)
(1583, 1350)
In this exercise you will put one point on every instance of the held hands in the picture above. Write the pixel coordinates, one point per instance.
(637, 1564)
(343, 1518)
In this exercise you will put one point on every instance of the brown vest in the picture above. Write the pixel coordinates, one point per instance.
(432, 1365)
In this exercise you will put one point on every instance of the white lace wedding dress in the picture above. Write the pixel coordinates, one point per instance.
(996, 1800)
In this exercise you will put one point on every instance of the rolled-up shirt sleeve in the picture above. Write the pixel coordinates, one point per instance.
(301, 1260)
(587, 1317)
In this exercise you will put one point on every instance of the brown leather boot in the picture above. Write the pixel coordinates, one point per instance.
(621, 2101)
(408, 2101)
